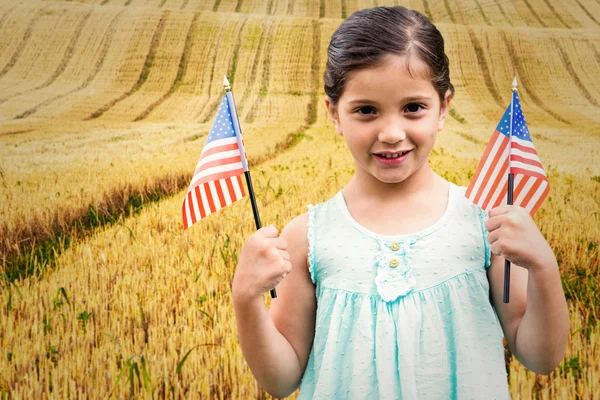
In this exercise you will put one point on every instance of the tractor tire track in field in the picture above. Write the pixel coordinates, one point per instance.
(213, 106)
(290, 9)
(63, 63)
(266, 76)
(128, 3)
(184, 5)
(238, 6)
(143, 74)
(483, 15)
(487, 76)
(515, 62)
(449, 11)
(105, 46)
(6, 16)
(532, 11)
(556, 14)
(499, 4)
(574, 76)
(183, 63)
(21, 46)
(585, 10)
(427, 10)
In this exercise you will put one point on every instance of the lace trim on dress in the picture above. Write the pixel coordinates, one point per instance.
(311, 243)
(394, 270)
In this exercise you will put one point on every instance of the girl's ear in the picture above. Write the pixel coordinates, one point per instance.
(444, 107)
(333, 114)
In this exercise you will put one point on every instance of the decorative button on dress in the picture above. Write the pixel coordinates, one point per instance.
(404, 316)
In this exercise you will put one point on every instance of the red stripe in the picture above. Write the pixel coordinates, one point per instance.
(191, 205)
(200, 204)
(231, 190)
(528, 173)
(239, 178)
(220, 175)
(486, 154)
(183, 214)
(209, 198)
(525, 149)
(491, 168)
(218, 163)
(220, 193)
(514, 157)
(502, 174)
(540, 200)
(531, 192)
(218, 149)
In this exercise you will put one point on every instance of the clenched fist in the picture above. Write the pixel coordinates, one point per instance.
(263, 263)
(514, 235)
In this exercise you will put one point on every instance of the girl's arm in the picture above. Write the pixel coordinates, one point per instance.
(276, 343)
(536, 319)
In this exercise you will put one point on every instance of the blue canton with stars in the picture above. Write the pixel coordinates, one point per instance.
(520, 129)
(223, 126)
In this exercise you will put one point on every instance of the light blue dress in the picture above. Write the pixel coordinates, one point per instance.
(404, 316)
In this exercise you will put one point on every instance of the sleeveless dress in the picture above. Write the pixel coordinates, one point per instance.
(404, 316)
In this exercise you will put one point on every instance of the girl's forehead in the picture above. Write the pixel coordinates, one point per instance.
(394, 75)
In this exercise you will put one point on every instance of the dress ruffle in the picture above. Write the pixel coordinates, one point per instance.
(394, 270)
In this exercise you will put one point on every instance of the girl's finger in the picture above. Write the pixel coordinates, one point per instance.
(492, 237)
(284, 255)
(280, 243)
(503, 209)
(494, 223)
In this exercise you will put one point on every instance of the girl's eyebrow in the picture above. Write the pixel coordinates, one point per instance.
(406, 99)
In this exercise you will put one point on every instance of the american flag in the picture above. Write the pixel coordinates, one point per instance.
(489, 185)
(216, 182)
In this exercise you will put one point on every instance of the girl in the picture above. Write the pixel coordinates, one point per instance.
(392, 289)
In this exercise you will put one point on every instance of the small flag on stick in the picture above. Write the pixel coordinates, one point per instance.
(216, 182)
(510, 153)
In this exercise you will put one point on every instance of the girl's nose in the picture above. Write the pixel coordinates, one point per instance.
(392, 132)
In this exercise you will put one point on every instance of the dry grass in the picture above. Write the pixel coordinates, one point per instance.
(103, 293)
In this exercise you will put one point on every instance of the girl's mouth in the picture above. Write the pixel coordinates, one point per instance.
(391, 158)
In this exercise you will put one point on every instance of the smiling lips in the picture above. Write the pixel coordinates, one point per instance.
(391, 158)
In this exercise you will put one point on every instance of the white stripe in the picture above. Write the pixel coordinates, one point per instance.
(215, 195)
(187, 212)
(486, 166)
(217, 143)
(236, 188)
(521, 142)
(204, 201)
(524, 191)
(217, 156)
(195, 204)
(225, 191)
(524, 154)
(215, 170)
(528, 167)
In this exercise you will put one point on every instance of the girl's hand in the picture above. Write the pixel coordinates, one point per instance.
(514, 235)
(263, 263)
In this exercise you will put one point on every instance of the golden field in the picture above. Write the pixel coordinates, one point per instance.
(104, 107)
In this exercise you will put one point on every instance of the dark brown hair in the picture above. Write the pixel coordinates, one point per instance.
(367, 36)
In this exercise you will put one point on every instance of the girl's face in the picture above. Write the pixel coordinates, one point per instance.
(389, 118)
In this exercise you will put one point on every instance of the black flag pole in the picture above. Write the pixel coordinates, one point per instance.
(238, 134)
(511, 184)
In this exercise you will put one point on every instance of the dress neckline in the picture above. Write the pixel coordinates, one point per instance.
(452, 193)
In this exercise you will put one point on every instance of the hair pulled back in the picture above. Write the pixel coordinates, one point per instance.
(367, 36)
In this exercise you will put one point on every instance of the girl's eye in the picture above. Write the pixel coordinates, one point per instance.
(413, 107)
(365, 110)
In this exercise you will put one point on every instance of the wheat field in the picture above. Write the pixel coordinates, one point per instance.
(105, 106)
